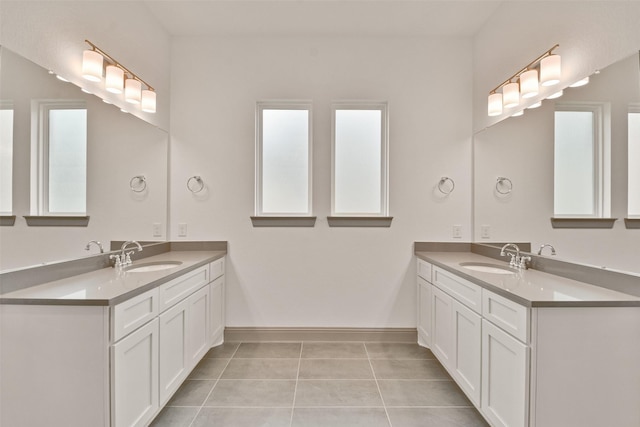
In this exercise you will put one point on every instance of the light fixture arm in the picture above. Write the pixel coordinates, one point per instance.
(525, 68)
(117, 64)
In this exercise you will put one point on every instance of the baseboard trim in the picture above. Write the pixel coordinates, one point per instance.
(259, 334)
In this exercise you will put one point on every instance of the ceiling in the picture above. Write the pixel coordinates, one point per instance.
(452, 18)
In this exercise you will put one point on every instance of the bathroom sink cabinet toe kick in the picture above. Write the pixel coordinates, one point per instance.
(108, 366)
(532, 366)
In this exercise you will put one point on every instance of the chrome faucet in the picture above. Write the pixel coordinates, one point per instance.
(95, 242)
(517, 260)
(124, 258)
(546, 245)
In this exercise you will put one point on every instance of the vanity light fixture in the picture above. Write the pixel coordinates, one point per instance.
(511, 95)
(534, 105)
(518, 114)
(118, 78)
(526, 79)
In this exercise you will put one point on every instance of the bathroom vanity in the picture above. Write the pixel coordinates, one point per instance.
(108, 347)
(530, 348)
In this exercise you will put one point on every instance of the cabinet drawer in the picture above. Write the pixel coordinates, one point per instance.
(183, 286)
(216, 269)
(463, 290)
(133, 313)
(506, 314)
(424, 270)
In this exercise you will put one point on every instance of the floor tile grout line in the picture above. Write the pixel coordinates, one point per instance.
(295, 387)
(214, 385)
(377, 385)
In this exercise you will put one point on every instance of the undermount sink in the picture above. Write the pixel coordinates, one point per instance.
(152, 266)
(484, 267)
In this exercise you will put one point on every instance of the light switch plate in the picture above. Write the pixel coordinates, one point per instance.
(157, 229)
(485, 231)
(182, 229)
(457, 232)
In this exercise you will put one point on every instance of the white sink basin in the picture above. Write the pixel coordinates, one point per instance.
(152, 266)
(487, 268)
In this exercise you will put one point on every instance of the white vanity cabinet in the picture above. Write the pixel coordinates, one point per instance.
(134, 361)
(424, 303)
(88, 363)
(217, 318)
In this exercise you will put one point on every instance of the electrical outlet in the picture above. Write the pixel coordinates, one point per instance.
(182, 229)
(485, 231)
(157, 232)
(457, 232)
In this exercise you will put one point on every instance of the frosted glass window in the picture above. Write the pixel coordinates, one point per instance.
(6, 160)
(284, 167)
(59, 158)
(67, 161)
(574, 163)
(359, 160)
(634, 164)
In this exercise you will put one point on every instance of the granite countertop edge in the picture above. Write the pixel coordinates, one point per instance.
(155, 279)
(435, 258)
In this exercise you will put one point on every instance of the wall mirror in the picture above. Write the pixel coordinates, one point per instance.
(522, 150)
(126, 171)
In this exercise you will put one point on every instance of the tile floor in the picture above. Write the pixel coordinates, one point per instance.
(328, 384)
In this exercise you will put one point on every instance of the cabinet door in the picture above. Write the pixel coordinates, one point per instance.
(198, 326)
(424, 312)
(216, 313)
(173, 349)
(466, 363)
(442, 330)
(504, 377)
(135, 377)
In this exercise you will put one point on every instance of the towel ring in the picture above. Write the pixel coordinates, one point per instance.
(200, 182)
(142, 184)
(443, 181)
(506, 182)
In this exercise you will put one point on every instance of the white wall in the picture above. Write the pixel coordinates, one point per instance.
(523, 148)
(321, 276)
(52, 34)
(119, 146)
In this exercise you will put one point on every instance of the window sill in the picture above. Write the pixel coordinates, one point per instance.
(583, 222)
(7, 220)
(359, 221)
(56, 221)
(632, 223)
(283, 221)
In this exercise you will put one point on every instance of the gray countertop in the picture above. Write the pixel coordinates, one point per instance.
(108, 286)
(531, 288)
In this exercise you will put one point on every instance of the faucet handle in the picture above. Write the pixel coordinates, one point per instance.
(117, 263)
(127, 259)
(514, 259)
(523, 262)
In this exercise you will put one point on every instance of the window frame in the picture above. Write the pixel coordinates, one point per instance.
(381, 106)
(634, 108)
(601, 185)
(258, 209)
(8, 105)
(40, 109)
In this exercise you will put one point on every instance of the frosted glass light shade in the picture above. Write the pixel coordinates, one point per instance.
(132, 91)
(148, 101)
(529, 83)
(550, 70)
(555, 95)
(92, 65)
(495, 104)
(510, 95)
(535, 105)
(580, 82)
(518, 114)
(114, 80)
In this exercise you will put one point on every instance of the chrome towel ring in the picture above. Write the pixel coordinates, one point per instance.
(444, 189)
(195, 184)
(504, 185)
(138, 183)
